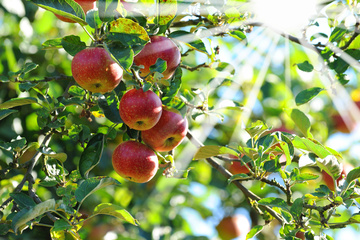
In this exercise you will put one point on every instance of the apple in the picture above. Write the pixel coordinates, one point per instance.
(347, 167)
(233, 226)
(95, 70)
(135, 161)
(237, 168)
(168, 133)
(140, 110)
(159, 47)
(86, 5)
(300, 235)
(339, 123)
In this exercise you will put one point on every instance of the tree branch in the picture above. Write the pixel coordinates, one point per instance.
(228, 175)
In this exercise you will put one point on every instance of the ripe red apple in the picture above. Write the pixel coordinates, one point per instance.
(95, 70)
(140, 110)
(233, 226)
(237, 168)
(168, 133)
(347, 167)
(86, 5)
(135, 161)
(159, 47)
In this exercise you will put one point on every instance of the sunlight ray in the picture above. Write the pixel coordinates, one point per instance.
(251, 98)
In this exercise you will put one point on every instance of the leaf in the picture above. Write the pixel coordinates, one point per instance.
(93, 19)
(167, 11)
(92, 154)
(300, 120)
(123, 55)
(257, 128)
(110, 106)
(52, 44)
(305, 66)
(354, 218)
(174, 86)
(107, 9)
(6, 112)
(25, 215)
(72, 44)
(254, 231)
(66, 8)
(130, 28)
(224, 67)
(238, 35)
(304, 177)
(212, 150)
(274, 202)
(240, 176)
(15, 102)
(352, 175)
(306, 95)
(330, 165)
(50, 153)
(61, 225)
(116, 211)
(159, 66)
(312, 146)
(337, 33)
(22, 200)
(4, 228)
(90, 185)
(297, 209)
(189, 39)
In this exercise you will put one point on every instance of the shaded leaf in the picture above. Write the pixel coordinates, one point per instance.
(6, 112)
(15, 102)
(110, 106)
(22, 200)
(305, 66)
(352, 175)
(189, 39)
(50, 153)
(211, 151)
(274, 202)
(72, 44)
(92, 154)
(306, 95)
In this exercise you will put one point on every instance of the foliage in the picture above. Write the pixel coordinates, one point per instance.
(57, 138)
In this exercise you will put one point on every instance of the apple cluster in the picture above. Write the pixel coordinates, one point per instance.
(162, 129)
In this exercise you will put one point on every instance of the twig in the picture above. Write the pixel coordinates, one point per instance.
(356, 33)
(46, 79)
(191, 69)
(228, 175)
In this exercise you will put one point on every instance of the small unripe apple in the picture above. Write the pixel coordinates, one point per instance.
(95, 70)
(159, 47)
(233, 226)
(135, 161)
(140, 110)
(86, 5)
(347, 167)
(168, 132)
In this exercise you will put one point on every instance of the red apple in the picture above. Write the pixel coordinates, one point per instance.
(95, 70)
(168, 133)
(86, 5)
(135, 161)
(347, 167)
(233, 226)
(140, 110)
(237, 168)
(159, 47)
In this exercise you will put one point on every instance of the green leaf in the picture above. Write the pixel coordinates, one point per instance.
(61, 225)
(300, 120)
(116, 211)
(92, 154)
(256, 129)
(123, 55)
(66, 8)
(354, 218)
(6, 112)
(211, 151)
(50, 153)
(174, 86)
(189, 39)
(4, 228)
(93, 19)
(254, 231)
(304, 177)
(297, 209)
(305, 66)
(15, 102)
(307, 94)
(330, 165)
(110, 106)
(352, 175)
(337, 33)
(274, 202)
(90, 185)
(240, 176)
(238, 35)
(312, 146)
(25, 215)
(159, 66)
(224, 67)
(107, 9)
(72, 44)
(52, 44)
(167, 10)
(22, 200)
